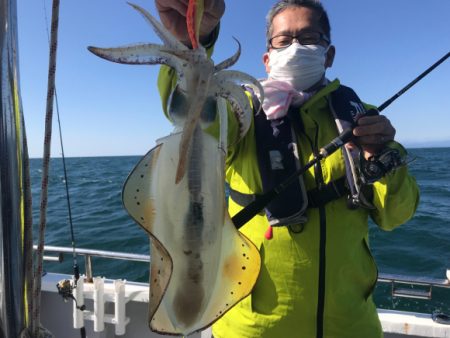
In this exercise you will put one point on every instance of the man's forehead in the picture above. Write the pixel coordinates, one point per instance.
(295, 20)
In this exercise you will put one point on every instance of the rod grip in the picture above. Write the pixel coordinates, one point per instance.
(337, 142)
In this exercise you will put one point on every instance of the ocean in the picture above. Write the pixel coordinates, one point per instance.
(419, 248)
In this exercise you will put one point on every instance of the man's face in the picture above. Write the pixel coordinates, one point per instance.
(294, 21)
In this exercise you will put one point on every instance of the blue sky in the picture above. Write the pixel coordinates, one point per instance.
(112, 109)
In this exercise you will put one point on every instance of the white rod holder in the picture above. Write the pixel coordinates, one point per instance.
(78, 294)
(100, 293)
(99, 304)
(119, 306)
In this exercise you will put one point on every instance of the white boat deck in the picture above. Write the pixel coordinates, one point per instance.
(57, 315)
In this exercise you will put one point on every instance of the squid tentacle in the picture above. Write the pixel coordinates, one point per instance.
(146, 54)
(160, 30)
(240, 104)
(231, 60)
(241, 78)
(143, 54)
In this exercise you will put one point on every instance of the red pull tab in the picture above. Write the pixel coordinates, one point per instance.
(269, 233)
(190, 22)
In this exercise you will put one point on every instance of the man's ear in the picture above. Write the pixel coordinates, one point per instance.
(265, 60)
(330, 56)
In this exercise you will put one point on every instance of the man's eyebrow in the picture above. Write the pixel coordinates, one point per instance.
(291, 33)
(284, 32)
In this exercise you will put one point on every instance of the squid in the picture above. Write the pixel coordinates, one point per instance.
(201, 266)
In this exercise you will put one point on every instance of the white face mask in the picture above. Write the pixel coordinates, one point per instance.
(301, 66)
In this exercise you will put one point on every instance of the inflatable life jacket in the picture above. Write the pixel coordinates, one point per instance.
(278, 158)
(347, 108)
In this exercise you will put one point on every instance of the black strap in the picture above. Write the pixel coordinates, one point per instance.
(329, 192)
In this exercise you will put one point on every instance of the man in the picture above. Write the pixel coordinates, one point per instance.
(317, 271)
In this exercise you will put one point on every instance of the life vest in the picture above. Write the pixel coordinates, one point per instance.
(278, 158)
(347, 108)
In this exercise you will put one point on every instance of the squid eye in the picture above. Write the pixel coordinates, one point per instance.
(209, 111)
(177, 106)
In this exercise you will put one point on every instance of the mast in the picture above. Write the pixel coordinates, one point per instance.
(15, 201)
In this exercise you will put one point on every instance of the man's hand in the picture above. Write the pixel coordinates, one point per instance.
(373, 132)
(173, 17)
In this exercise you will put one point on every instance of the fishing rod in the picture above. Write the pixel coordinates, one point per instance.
(413, 82)
(260, 201)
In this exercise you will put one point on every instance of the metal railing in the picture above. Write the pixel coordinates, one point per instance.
(88, 254)
(419, 287)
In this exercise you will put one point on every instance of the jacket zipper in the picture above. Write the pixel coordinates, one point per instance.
(318, 176)
(322, 255)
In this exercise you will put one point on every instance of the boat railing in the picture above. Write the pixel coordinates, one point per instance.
(58, 253)
(413, 287)
(401, 285)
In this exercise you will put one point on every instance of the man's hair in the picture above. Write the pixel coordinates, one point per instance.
(281, 5)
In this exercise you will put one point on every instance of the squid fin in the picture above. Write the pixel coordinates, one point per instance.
(239, 270)
(137, 197)
(161, 268)
(239, 267)
(139, 201)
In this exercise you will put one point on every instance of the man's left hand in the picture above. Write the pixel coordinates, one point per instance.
(372, 133)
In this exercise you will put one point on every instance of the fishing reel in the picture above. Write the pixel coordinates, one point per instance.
(65, 289)
(377, 166)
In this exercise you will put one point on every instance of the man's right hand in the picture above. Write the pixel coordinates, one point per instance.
(173, 17)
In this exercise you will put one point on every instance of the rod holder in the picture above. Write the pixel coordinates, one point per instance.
(99, 304)
(119, 306)
(78, 294)
(100, 293)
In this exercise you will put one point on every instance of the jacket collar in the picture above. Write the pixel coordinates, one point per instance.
(331, 87)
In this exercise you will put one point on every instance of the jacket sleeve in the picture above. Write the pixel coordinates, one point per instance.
(167, 80)
(396, 196)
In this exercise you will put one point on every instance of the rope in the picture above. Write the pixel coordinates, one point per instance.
(63, 157)
(45, 168)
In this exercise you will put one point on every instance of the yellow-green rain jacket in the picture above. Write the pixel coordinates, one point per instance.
(284, 301)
